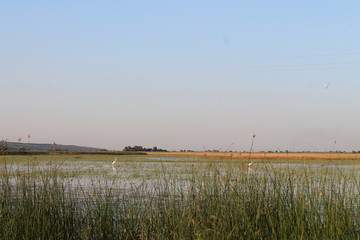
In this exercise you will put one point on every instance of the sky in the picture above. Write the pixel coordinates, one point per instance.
(197, 75)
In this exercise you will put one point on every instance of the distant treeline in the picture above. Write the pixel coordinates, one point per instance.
(142, 149)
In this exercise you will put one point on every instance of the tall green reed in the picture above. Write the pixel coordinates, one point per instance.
(201, 202)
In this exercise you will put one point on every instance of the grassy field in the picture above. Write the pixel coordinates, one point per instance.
(298, 157)
(175, 197)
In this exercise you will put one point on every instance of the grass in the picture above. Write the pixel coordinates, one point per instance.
(206, 200)
(352, 158)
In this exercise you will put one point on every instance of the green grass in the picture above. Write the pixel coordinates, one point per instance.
(207, 200)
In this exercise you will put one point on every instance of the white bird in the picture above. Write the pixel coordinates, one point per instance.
(114, 161)
(113, 165)
(249, 164)
(326, 85)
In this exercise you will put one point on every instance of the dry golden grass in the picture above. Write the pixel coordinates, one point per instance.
(270, 156)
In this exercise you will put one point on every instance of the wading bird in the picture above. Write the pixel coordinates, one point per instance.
(113, 164)
(114, 161)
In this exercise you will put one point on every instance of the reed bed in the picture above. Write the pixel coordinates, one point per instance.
(200, 202)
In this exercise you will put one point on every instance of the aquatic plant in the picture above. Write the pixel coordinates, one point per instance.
(199, 201)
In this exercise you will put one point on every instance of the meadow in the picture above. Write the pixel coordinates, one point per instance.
(178, 197)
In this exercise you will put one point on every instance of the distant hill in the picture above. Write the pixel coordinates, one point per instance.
(46, 147)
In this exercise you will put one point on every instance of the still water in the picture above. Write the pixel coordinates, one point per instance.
(149, 173)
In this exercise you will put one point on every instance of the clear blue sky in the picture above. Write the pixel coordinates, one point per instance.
(182, 74)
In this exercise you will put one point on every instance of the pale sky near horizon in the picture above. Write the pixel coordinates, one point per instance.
(182, 74)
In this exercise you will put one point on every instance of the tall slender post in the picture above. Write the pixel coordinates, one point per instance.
(252, 144)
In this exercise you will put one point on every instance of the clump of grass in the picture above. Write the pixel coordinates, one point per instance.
(201, 203)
